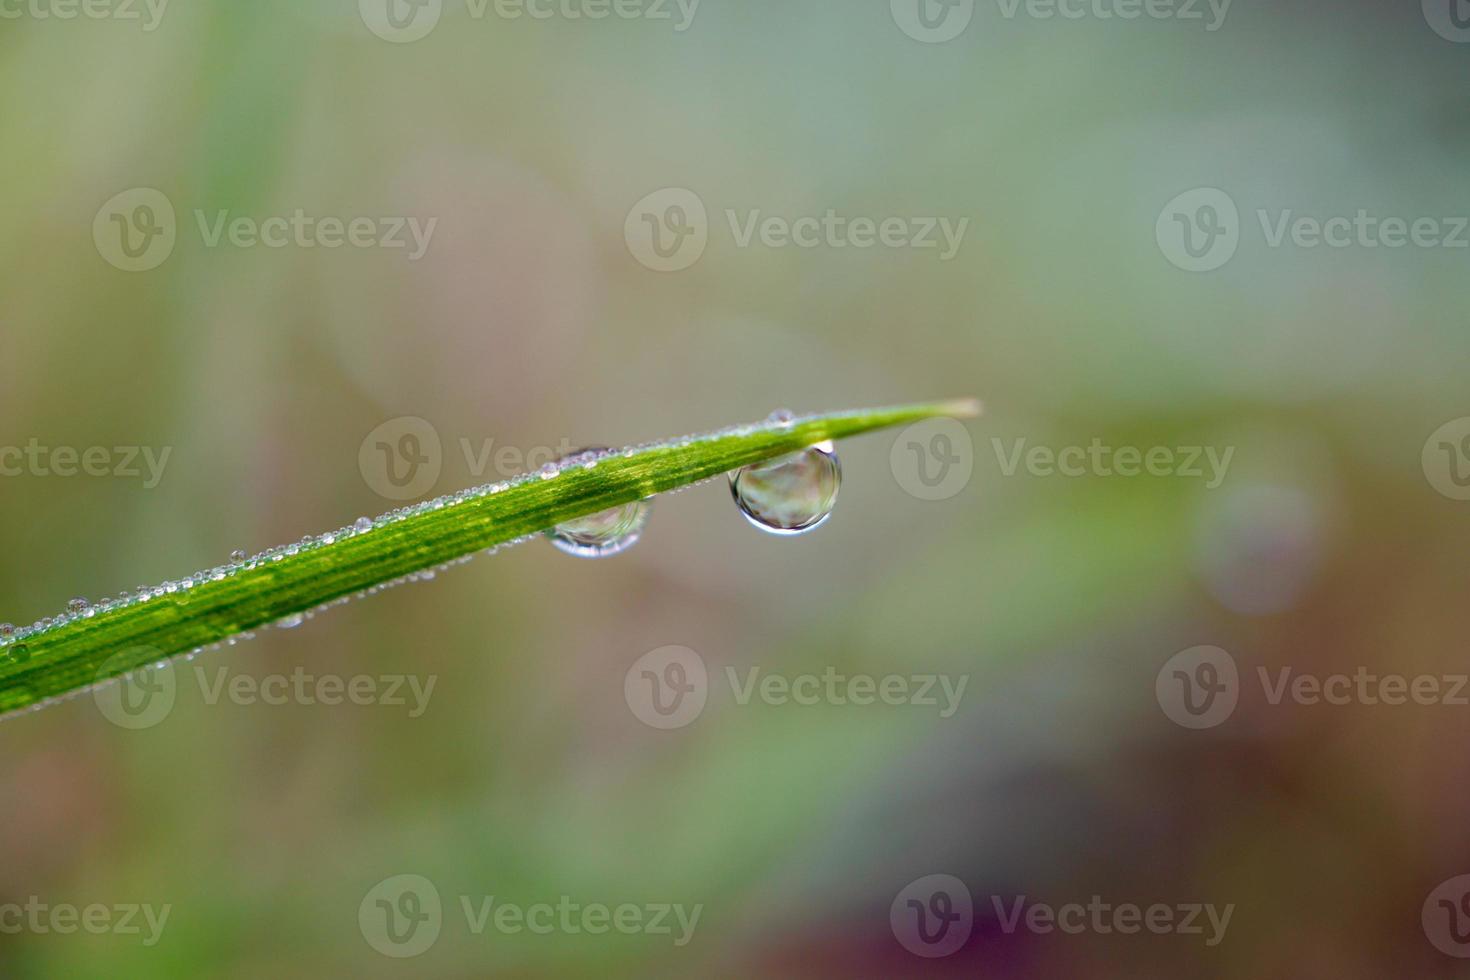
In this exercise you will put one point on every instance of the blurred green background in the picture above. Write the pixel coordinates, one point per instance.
(533, 320)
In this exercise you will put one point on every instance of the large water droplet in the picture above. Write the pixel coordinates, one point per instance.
(77, 605)
(790, 495)
(602, 535)
(598, 535)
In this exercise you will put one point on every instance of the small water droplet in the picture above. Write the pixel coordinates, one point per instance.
(790, 495)
(290, 622)
(77, 605)
(362, 524)
(782, 417)
(7, 630)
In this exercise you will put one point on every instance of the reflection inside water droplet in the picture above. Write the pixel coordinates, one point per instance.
(790, 495)
(602, 535)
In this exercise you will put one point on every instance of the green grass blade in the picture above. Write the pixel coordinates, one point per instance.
(69, 655)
